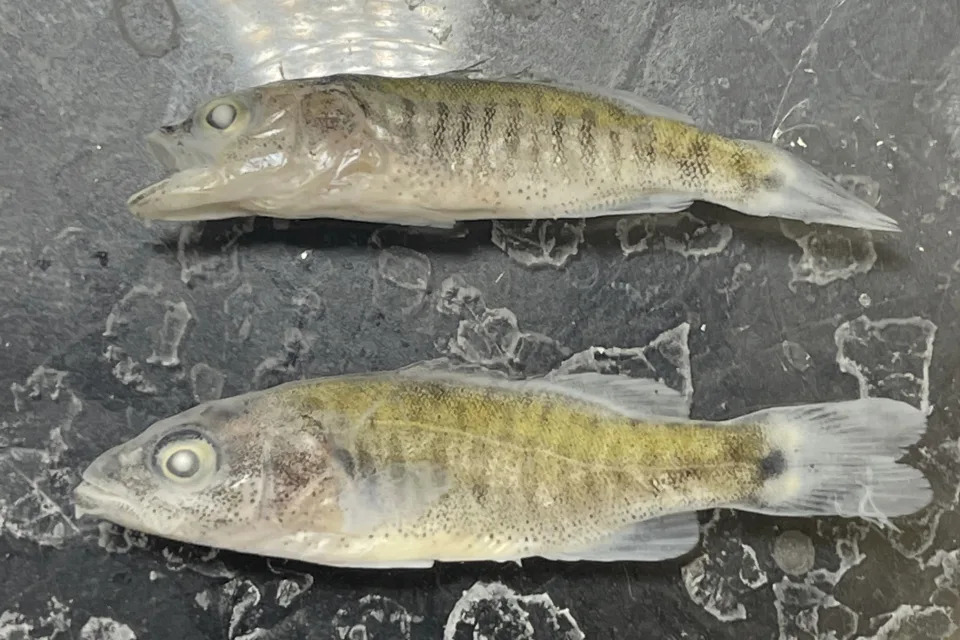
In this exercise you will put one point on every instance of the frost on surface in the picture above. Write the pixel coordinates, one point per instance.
(97, 628)
(167, 343)
(55, 624)
(401, 280)
(214, 260)
(142, 313)
(681, 233)
(288, 364)
(489, 611)
(206, 383)
(713, 581)
(539, 243)
(492, 338)
(13, 626)
(240, 308)
(829, 253)
(914, 622)
(125, 309)
(456, 297)
(666, 358)
(890, 358)
(374, 616)
(724, 574)
(34, 484)
(806, 607)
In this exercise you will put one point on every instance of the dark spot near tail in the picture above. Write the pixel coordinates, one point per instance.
(772, 182)
(345, 459)
(773, 465)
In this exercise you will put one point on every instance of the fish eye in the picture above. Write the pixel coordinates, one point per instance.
(185, 457)
(221, 116)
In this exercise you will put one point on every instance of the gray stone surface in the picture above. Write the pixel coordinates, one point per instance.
(107, 325)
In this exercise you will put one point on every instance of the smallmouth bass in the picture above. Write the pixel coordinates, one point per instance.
(405, 468)
(436, 150)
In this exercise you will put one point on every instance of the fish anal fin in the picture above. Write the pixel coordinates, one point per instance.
(653, 540)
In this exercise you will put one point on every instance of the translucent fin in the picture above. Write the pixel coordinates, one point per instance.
(661, 538)
(624, 395)
(395, 564)
(840, 459)
(635, 397)
(803, 193)
(662, 202)
(397, 494)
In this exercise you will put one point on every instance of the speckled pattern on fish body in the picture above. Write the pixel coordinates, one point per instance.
(401, 469)
(527, 471)
(520, 148)
(434, 150)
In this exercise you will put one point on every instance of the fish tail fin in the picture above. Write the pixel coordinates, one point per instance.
(798, 191)
(840, 459)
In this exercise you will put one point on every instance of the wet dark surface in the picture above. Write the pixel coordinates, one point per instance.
(107, 325)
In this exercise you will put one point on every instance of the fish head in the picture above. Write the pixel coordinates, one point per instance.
(219, 475)
(255, 151)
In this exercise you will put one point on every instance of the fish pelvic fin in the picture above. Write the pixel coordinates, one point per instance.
(840, 459)
(797, 191)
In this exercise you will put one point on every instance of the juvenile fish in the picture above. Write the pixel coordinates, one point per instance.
(434, 150)
(405, 468)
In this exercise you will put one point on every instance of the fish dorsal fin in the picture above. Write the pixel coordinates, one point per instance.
(651, 540)
(626, 395)
(401, 492)
(625, 99)
(636, 397)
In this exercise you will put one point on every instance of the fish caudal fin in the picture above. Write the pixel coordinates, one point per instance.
(801, 192)
(840, 459)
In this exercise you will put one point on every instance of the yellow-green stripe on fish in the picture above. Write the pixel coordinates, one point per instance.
(435, 150)
(405, 468)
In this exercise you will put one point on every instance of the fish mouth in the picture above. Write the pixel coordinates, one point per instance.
(178, 160)
(96, 502)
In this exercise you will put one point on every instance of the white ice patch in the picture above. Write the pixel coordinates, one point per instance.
(718, 580)
(666, 358)
(97, 628)
(890, 358)
(802, 602)
(55, 624)
(915, 622)
(219, 267)
(539, 243)
(493, 340)
(375, 616)
(166, 347)
(401, 280)
(34, 485)
(829, 253)
(681, 233)
(288, 364)
(139, 310)
(493, 610)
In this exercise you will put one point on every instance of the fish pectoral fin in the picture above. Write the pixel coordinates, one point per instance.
(399, 493)
(652, 540)
(634, 397)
